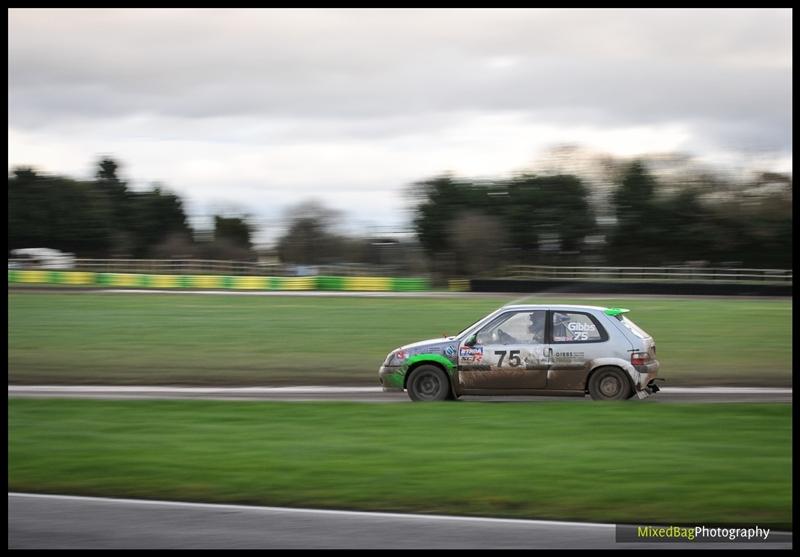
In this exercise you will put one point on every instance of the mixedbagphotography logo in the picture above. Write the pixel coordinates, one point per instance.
(697, 534)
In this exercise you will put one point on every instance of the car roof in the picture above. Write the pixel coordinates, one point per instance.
(551, 306)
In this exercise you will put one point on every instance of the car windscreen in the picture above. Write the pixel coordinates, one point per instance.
(465, 329)
(632, 327)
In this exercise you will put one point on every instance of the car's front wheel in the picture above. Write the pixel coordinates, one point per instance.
(428, 383)
(610, 383)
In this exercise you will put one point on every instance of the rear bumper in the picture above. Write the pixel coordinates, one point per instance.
(647, 373)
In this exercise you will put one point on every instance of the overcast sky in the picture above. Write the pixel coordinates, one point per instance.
(256, 110)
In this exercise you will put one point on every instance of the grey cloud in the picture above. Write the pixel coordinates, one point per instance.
(726, 70)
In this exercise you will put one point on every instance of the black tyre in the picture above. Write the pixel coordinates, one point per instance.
(610, 383)
(428, 383)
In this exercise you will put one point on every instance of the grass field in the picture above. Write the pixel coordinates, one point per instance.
(101, 338)
(713, 464)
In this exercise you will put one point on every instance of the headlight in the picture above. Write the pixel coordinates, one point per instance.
(396, 357)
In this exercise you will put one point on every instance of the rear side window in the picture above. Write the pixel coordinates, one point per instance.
(576, 327)
(632, 327)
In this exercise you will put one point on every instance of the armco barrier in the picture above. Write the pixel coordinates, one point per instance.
(661, 288)
(216, 282)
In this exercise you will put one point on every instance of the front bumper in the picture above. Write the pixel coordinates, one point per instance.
(391, 378)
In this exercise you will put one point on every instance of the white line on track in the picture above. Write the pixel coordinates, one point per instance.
(186, 390)
(727, 390)
(426, 517)
(415, 294)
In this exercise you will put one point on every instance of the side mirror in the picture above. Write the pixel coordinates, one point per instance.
(471, 340)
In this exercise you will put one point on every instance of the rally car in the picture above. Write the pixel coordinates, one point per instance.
(554, 350)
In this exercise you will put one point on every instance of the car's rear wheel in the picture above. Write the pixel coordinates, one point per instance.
(610, 383)
(428, 383)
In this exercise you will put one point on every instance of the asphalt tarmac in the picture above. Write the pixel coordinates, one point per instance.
(64, 522)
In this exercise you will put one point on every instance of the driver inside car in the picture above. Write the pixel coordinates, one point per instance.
(535, 329)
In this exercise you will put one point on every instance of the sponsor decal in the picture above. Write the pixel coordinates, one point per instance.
(400, 355)
(569, 355)
(577, 326)
(581, 331)
(467, 354)
(450, 351)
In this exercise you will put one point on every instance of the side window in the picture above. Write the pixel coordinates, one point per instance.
(576, 327)
(526, 327)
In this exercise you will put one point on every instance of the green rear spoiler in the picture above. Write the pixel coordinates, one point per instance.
(613, 312)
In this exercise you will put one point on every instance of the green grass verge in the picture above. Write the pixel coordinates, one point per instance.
(195, 339)
(626, 462)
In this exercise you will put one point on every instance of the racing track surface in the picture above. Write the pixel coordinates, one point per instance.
(64, 522)
(361, 294)
(374, 394)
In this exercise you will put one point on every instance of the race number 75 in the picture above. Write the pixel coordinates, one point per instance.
(513, 357)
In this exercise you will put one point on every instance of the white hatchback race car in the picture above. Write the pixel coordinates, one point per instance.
(554, 350)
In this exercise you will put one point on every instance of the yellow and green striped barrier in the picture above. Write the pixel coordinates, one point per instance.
(217, 282)
(458, 285)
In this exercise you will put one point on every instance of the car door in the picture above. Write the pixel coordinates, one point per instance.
(577, 338)
(508, 354)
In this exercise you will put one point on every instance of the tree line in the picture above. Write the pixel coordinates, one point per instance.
(462, 226)
(473, 227)
(105, 218)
